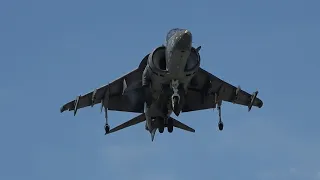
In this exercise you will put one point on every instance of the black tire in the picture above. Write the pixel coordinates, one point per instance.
(220, 125)
(161, 129)
(161, 125)
(170, 125)
(107, 128)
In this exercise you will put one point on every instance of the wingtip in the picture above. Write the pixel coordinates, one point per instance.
(62, 109)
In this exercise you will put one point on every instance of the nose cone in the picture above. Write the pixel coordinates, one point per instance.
(184, 41)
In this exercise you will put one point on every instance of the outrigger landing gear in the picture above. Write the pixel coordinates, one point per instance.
(220, 124)
(106, 129)
(104, 104)
(106, 126)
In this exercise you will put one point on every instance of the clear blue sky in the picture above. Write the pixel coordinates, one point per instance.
(52, 51)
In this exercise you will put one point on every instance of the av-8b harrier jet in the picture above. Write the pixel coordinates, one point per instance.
(169, 79)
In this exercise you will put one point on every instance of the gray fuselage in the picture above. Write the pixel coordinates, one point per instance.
(178, 49)
(169, 71)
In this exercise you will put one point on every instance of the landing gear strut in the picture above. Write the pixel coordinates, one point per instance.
(106, 129)
(104, 105)
(175, 103)
(170, 125)
(106, 126)
(175, 98)
(161, 124)
(220, 124)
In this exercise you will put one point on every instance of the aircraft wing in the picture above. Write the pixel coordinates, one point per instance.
(112, 95)
(206, 89)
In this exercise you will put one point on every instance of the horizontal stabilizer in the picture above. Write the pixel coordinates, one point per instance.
(182, 126)
(134, 121)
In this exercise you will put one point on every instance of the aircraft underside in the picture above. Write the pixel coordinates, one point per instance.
(169, 79)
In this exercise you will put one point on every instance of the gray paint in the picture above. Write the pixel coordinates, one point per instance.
(175, 62)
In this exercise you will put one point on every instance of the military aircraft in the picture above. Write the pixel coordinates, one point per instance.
(169, 79)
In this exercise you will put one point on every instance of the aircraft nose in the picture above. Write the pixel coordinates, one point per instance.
(188, 33)
(184, 40)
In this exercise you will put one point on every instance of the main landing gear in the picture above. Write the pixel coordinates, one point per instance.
(161, 124)
(170, 125)
(161, 129)
(165, 123)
